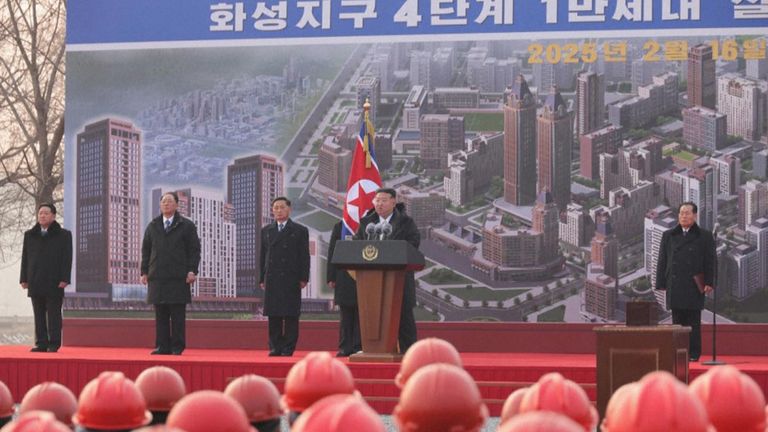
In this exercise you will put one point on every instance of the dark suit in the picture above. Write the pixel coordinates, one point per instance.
(681, 256)
(46, 260)
(166, 259)
(284, 264)
(345, 296)
(403, 228)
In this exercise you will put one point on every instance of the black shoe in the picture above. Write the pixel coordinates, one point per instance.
(286, 354)
(53, 349)
(274, 353)
(342, 353)
(39, 349)
(178, 352)
(158, 351)
(694, 359)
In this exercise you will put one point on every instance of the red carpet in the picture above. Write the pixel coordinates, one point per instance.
(497, 374)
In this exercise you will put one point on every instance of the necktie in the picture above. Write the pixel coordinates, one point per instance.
(280, 227)
(43, 233)
(167, 225)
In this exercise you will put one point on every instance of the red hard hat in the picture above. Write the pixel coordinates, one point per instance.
(159, 428)
(314, 377)
(36, 421)
(424, 352)
(257, 395)
(540, 421)
(440, 397)
(208, 410)
(555, 393)
(6, 401)
(658, 402)
(511, 406)
(732, 400)
(111, 402)
(161, 386)
(339, 413)
(52, 397)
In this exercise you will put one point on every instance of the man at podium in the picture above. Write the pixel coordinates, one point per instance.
(386, 208)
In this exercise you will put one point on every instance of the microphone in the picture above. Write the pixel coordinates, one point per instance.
(386, 230)
(369, 231)
(378, 231)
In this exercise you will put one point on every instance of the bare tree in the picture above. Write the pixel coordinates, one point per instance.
(32, 34)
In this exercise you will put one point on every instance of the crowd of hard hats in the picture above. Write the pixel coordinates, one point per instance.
(436, 395)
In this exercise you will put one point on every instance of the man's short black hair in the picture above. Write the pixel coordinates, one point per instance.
(390, 191)
(281, 198)
(49, 205)
(694, 207)
(173, 194)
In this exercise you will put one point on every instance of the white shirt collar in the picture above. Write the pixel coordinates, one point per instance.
(165, 219)
(388, 218)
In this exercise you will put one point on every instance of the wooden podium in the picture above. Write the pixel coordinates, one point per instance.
(380, 268)
(626, 353)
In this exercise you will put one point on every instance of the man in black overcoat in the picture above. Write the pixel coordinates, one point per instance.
(386, 207)
(686, 270)
(284, 273)
(345, 296)
(46, 267)
(170, 257)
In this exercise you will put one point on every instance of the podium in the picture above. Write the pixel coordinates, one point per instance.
(626, 353)
(380, 268)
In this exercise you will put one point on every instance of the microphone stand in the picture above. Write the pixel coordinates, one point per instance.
(714, 361)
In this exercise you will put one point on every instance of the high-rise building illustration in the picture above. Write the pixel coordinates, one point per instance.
(108, 243)
(743, 101)
(215, 221)
(554, 134)
(520, 145)
(575, 226)
(743, 267)
(546, 221)
(421, 69)
(753, 202)
(473, 168)
(440, 135)
(601, 285)
(369, 89)
(590, 102)
(704, 128)
(333, 166)
(652, 100)
(757, 236)
(605, 247)
(592, 145)
(630, 165)
(414, 107)
(657, 221)
(600, 293)
(252, 183)
(727, 173)
(701, 76)
(426, 208)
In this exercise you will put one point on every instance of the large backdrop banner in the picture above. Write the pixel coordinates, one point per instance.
(542, 146)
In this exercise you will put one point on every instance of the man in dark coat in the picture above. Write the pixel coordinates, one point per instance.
(385, 207)
(170, 257)
(46, 267)
(345, 296)
(284, 273)
(686, 270)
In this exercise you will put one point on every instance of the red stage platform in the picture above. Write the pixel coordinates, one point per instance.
(497, 374)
